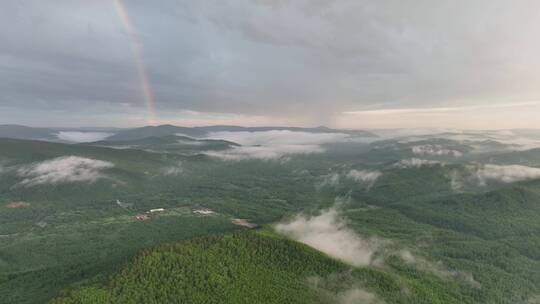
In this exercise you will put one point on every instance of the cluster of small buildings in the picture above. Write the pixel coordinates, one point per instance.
(203, 211)
(148, 215)
(142, 216)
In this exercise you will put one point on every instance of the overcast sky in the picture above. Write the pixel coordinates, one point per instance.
(342, 63)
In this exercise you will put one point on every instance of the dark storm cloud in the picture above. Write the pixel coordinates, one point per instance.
(307, 61)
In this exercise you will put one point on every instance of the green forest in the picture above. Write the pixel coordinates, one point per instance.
(81, 242)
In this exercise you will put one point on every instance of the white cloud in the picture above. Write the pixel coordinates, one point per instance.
(189, 142)
(364, 176)
(264, 152)
(435, 150)
(481, 174)
(279, 137)
(331, 179)
(62, 170)
(410, 134)
(509, 140)
(505, 174)
(355, 293)
(77, 137)
(438, 269)
(481, 141)
(273, 144)
(416, 163)
(173, 170)
(329, 233)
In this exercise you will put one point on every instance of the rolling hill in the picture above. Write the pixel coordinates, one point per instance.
(71, 223)
(255, 267)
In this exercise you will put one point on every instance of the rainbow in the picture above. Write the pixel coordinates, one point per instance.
(138, 55)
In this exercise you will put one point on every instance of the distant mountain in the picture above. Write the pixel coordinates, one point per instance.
(163, 130)
(199, 132)
(51, 134)
(320, 129)
(23, 132)
(64, 135)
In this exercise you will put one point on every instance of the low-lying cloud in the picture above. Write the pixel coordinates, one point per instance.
(328, 180)
(62, 170)
(79, 137)
(328, 232)
(434, 150)
(364, 176)
(274, 144)
(486, 141)
(278, 137)
(505, 174)
(482, 174)
(173, 170)
(189, 142)
(264, 152)
(352, 293)
(416, 163)
(438, 269)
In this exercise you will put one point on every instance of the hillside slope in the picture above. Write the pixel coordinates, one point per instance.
(254, 267)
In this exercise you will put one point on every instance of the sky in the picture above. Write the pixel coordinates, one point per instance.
(467, 64)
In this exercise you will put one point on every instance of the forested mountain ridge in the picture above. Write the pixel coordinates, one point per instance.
(257, 267)
(451, 227)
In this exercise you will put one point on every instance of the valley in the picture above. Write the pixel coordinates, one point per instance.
(73, 225)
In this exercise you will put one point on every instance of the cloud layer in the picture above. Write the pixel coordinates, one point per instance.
(279, 137)
(434, 150)
(505, 174)
(416, 163)
(173, 170)
(73, 61)
(78, 137)
(62, 170)
(328, 233)
(364, 176)
(438, 269)
(483, 174)
(275, 144)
